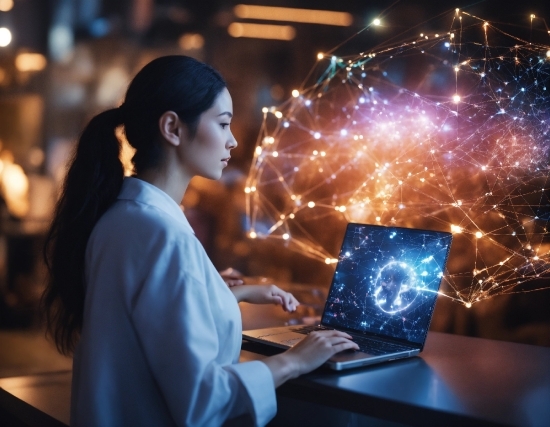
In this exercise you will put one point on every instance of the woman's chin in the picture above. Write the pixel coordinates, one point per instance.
(212, 175)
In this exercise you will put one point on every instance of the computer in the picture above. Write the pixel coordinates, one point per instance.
(383, 294)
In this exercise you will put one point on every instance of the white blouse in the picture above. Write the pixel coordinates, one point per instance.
(161, 337)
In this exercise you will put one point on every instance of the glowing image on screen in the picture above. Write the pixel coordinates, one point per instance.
(387, 280)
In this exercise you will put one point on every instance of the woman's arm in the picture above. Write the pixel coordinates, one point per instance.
(174, 310)
(265, 294)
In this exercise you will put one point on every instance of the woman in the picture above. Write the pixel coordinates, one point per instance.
(155, 331)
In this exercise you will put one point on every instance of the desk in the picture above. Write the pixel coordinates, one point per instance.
(456, 381)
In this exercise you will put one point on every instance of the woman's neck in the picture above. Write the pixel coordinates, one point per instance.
(170, 180)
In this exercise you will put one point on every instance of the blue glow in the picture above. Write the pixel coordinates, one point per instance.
(387, 285)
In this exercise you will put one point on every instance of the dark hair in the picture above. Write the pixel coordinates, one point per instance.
(94, 178)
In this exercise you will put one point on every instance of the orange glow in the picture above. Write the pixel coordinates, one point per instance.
(142, 11)
(6, 5)
(15, 189)
(456, 229)
(356, 147)
(191, 41)
(30, 62)
(288, 14)
(126, 152)
(262, 31)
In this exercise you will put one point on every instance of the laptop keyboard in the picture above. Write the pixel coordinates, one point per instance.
(366, 345)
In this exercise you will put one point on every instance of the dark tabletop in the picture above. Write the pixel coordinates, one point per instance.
(456, 381)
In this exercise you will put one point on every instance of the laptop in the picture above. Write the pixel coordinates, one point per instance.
(383, 294)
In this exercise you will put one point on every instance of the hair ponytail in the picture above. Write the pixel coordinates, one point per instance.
(169, 83)
(91, 186)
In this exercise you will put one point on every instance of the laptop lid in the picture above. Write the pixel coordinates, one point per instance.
(387, 281)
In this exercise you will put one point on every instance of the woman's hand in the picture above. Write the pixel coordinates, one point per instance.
(232, 277)
(265, 294)
(317, 347)
(310, 353)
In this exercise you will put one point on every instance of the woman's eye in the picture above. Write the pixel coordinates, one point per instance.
(224, 125)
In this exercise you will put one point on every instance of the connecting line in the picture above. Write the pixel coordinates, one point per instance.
(462, 148)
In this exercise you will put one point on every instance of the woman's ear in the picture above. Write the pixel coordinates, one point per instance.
(170, 128)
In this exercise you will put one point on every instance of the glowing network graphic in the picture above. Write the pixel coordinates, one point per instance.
(446, 131)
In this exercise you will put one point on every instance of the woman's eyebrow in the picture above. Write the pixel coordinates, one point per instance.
(227, 113)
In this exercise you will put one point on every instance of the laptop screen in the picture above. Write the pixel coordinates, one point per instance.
(386, 281)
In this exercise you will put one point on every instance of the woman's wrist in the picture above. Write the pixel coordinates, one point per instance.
(283, 367)
(241, 292)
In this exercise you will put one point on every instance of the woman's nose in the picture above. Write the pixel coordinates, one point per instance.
(232, 143)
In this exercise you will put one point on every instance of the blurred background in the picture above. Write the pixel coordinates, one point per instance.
(62, 61)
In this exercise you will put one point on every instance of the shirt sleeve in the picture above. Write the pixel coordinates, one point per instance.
(257, 379)
(173, 322)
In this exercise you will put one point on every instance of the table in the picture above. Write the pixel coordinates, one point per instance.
(456, 381)
(36, 400)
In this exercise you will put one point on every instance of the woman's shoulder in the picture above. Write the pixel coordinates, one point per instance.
(132, 233)
(132, 218)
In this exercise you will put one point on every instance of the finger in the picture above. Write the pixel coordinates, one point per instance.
(277, 300)
(333, 333)
(235, 274)
(285, 300)
(336, 344)
(345, 346)
(226, 272)
(295, 303)
(231, 273)
(277, 294)
(291, 302)
(287, 306)
(234, 282)
(339, 340)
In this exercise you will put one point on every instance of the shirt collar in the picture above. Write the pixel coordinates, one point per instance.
(143, 192)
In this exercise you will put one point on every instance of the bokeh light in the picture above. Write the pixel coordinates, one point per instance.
(27, 61)
(5, 37)
(446, 131)
(6, 5)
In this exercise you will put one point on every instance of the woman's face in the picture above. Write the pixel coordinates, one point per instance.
(207, 153)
